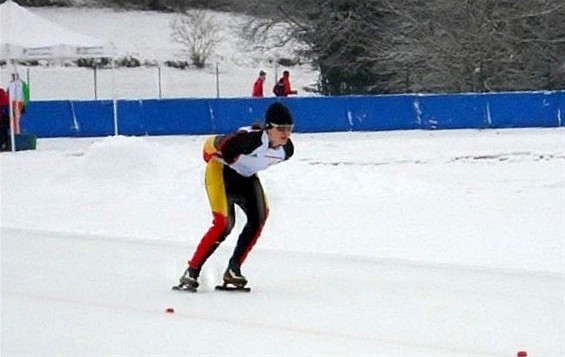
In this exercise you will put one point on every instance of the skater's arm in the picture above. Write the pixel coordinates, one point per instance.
(240, 144)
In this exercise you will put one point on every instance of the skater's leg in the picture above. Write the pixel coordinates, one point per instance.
(222, 212)
(256, 209)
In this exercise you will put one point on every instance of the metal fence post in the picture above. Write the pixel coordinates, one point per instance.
(95, 74)
(217, 81)
(159, 79)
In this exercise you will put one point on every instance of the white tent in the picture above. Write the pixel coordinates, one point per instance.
(26, 36)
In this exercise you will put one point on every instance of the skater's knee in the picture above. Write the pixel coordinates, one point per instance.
(229, 227)
(256, 225)
(222, 224)
(262, 218)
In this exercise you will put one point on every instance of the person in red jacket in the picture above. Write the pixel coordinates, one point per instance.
(283, 88)
(258, 85)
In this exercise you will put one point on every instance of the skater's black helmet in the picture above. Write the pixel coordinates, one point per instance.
(278, 115)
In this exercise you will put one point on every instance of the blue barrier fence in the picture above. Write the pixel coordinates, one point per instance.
(313, 114)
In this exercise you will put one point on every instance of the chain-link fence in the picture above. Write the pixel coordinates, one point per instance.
(77, 83)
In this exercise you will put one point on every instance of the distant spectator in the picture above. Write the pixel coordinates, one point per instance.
(18, 92)
(4, 120)
(258, 85)
(283, 88)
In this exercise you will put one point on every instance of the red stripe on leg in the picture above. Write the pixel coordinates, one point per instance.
(213, 236)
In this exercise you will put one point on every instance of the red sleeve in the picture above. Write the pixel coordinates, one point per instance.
(287, 89)
(4, 99)
(257, 88)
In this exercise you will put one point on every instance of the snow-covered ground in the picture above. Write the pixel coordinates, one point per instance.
(417, 243)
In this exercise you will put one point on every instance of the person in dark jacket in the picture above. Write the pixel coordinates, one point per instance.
(233, 162)
(258, 85)
(283, 87)
(4, 120)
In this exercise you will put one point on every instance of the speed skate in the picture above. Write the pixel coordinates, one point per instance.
(185, 287)
(231, 287)
(223, 287)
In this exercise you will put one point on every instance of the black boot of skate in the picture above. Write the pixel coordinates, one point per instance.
(233, 276)
(188, 281)
(234, 281)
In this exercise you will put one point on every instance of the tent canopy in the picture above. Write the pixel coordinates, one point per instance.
(25, 36)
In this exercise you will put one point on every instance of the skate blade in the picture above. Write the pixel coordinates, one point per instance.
(187, 288)
(233, 288)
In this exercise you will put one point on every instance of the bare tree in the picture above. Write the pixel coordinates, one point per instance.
(386, 46)
(339, 36)
(481, 45)
(198, 33)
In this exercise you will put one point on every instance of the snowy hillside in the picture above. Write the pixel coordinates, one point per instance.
(147, 36)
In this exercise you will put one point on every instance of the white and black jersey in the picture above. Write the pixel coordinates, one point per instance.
(248, 152)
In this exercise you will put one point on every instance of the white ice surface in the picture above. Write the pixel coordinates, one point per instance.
(409, 243)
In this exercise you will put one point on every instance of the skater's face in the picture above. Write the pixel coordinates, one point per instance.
(279, 134)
